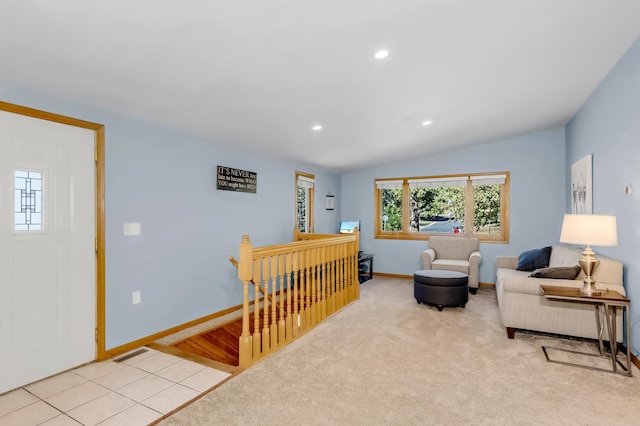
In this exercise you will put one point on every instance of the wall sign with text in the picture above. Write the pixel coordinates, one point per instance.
(230, 179)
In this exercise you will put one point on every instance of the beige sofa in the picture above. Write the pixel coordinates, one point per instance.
(454, 253)
(523, 306)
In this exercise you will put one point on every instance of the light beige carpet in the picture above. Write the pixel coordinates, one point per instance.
(385, 360)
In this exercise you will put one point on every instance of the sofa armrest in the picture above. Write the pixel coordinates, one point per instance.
(474, 268)
(507, 262)
(427, 256)
(475, 258)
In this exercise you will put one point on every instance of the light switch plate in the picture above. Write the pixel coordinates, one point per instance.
(132, 229)
(135, 297)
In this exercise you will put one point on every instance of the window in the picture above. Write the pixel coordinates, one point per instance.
(304, 201)
(415, 208)
(27, 200)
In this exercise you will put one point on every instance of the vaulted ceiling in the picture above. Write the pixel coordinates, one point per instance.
(259, 74)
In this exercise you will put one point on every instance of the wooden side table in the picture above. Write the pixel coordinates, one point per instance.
(608, 301)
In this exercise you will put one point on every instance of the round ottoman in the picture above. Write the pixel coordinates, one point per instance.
(441, 288)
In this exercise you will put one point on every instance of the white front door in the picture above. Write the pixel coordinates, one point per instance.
(47, 248)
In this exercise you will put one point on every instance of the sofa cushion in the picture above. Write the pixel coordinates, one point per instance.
(534, 259)
(564, 256)
(451, 265)
(609, 271)
(450, 247)
(452, 262)
(558, 272)
(512, 281)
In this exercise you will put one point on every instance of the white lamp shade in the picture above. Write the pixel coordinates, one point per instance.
(589, 229)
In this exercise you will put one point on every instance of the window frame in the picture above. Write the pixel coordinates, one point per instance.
(310, 202)
(405, 234)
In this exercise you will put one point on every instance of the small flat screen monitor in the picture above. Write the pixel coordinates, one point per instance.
(347, 226)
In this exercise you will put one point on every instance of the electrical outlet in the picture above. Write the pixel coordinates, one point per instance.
(135, 297)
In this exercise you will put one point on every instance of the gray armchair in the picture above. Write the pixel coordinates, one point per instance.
(454, 253)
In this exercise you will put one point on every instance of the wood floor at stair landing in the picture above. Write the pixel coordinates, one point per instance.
(220, 344)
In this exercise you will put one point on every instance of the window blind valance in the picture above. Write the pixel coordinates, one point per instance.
(488, 180)
(438, 182)
(389, 184)
(305, 182)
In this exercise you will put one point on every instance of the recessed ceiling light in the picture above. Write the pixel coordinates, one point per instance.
(427, 122)
(316, 128)
(381, 54)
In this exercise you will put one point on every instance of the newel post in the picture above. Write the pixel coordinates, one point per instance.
(245, 275)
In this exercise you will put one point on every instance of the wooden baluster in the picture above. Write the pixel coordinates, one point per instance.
(273, 332)
(324, 269)
(321, 284)
(307, 289)
(296, 312)
(356, 273)
(281, 299)
(302, 261)
(288, 279)
(357, 269)
(336, 284)
(332, 279)
(353, 282)
(327, 281)
(338, 276)
(244, 275)
(319, 269)
(266, 347)
(319, 273)
(350, 283)
(256, 310)
(347, 274)
(314, 285)
(343, 280)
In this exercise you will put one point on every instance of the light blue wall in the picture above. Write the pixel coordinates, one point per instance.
(166, 181)
(608, 127)
(537, 166)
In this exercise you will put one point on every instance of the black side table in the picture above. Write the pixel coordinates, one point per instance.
(365, 259)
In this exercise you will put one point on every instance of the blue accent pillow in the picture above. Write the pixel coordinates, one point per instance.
(534, 259)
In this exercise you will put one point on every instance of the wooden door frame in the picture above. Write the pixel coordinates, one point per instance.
(99, 207)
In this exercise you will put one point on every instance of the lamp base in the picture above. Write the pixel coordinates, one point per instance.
(589, 263)
(589, 289)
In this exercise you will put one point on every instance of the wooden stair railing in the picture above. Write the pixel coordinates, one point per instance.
(234, 262)
(301, 284)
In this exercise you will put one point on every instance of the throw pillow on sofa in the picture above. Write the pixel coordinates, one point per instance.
(534, 259)
(562, 255)
(558, 272)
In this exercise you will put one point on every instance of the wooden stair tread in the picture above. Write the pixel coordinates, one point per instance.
(220, 344)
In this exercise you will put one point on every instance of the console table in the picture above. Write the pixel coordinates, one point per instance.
(365, 258)
(605, 303)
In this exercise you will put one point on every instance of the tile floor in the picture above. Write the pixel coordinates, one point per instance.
(135, 391)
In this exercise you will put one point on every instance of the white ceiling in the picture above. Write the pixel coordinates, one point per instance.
(260, 73)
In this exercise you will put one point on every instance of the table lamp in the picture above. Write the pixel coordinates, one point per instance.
(589, 229)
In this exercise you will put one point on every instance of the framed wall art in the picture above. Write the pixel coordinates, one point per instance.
(330, 197)
(581, 190)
